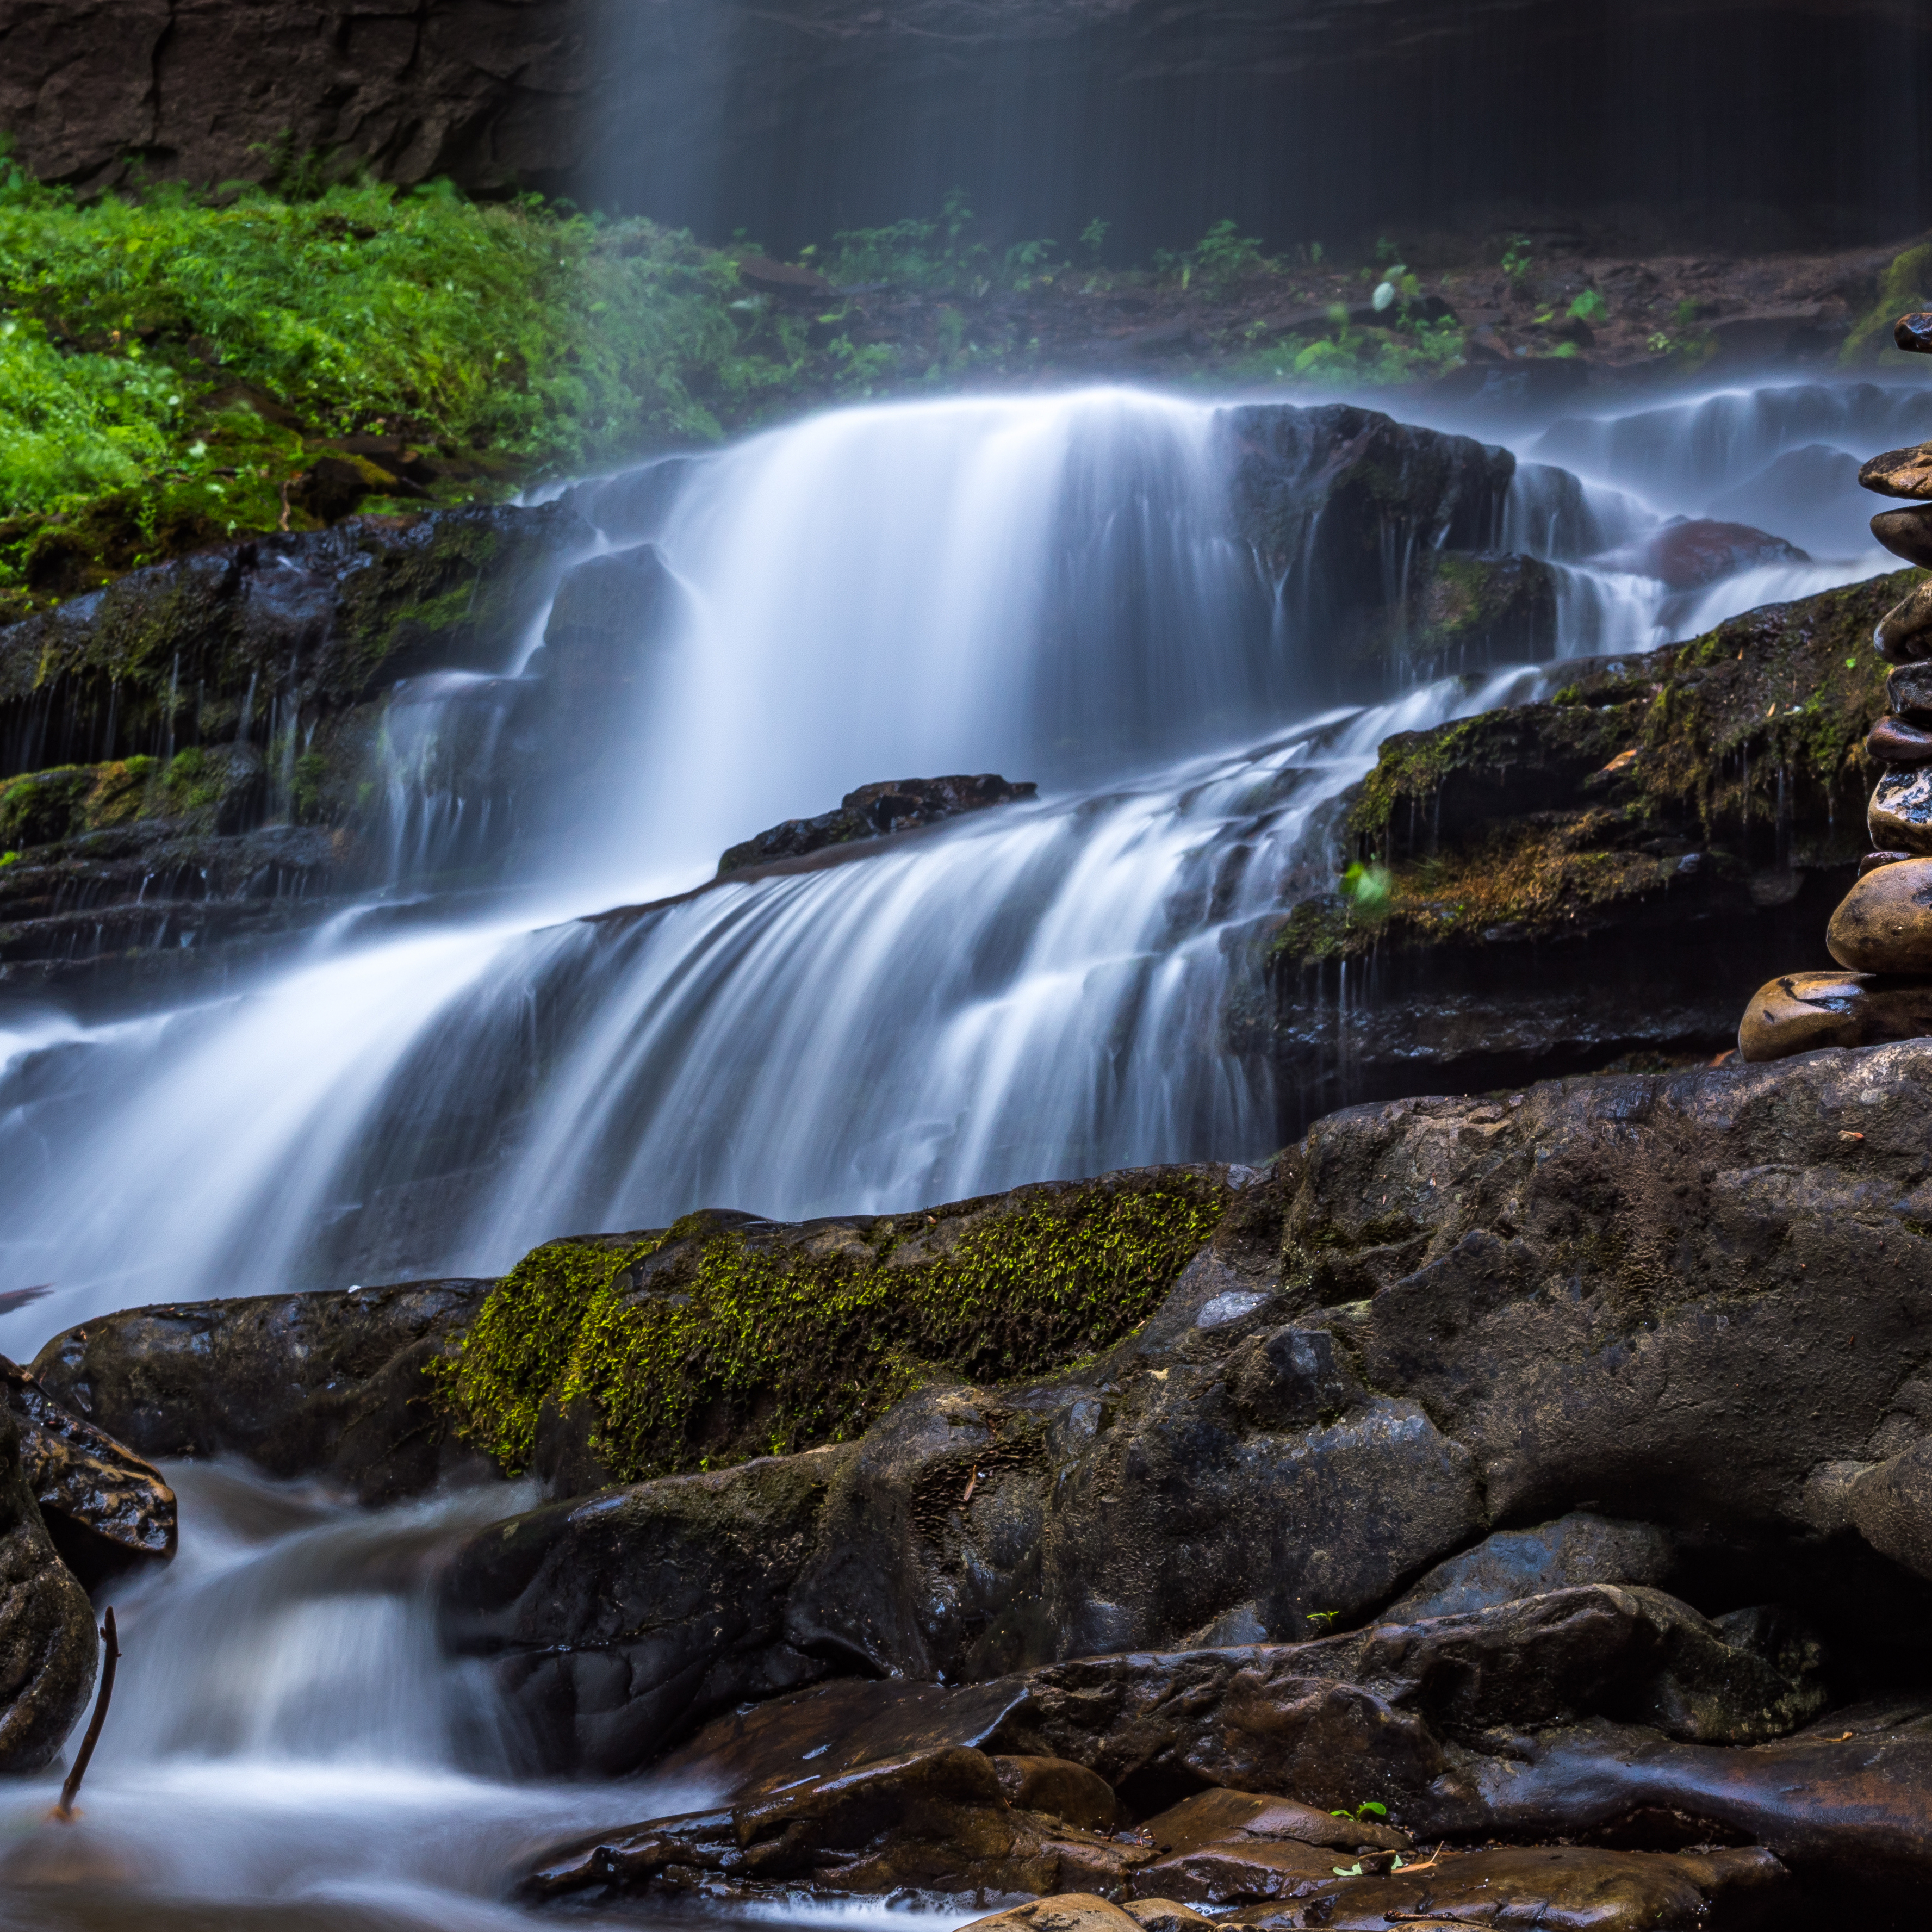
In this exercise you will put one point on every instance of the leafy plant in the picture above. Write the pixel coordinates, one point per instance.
(1589, 307)
(1516, 258)
(1222, 257)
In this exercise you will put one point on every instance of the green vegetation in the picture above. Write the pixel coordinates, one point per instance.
(704, 1343)
(1902, 288)
(1531, 818)
(168, 365)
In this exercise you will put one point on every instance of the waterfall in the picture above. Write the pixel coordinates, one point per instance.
(1048, 586)
(286, 1735)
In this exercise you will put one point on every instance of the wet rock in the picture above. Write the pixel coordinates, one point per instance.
(106, 1509)
(1913, 333)
(1890, 1505)
(1893, 742)
(1579, 1549)
(612, 612)
(1330, 493)
(1900, 472)
(875, 811)
(1593, 875)
(612, 1625)
(1163, 1915)
(932, 1820)
(332, 1385)
(47, 1641)
(1060, 1788)
(1564, 1888)
(1690, 554)
(1463, 613)
(1906, 533)
(1223, 1816)
(1884, 923)
(1083, 1911)
(1238, 1873)
(1909, 690)
(1801, 1011)
(1904, 633)
(1900, 816)
(1853, 1805)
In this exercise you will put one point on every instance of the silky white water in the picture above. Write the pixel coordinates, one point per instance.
(287, 1746)
(1046, 587)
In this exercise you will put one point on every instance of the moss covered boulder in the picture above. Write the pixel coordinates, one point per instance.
(617, 1357)
(1609, 871)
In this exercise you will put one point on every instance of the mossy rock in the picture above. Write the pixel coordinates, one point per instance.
(722, 1337)
(1680, 773)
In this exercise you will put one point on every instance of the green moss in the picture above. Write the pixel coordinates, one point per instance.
(1535, 819)
(735, 1343)
(1901, 289)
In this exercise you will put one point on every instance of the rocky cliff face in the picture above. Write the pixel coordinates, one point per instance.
(797, 120)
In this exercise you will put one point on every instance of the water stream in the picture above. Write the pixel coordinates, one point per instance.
(1048, 587)
(1045, 586)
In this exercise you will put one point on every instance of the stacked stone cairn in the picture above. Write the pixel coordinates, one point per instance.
(1882, 932)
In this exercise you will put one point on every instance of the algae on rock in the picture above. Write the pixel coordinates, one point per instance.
(724, 1336)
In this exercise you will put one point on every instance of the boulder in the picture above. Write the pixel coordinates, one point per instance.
(105, 1509)
(1579, 1549)
(1690, 554)
(334, 1386)
(47, 1642)
(1604, 872)
(875, 811)
(1892, 1506)
(613, 1625)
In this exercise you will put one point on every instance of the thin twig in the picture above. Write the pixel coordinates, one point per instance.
(64, 1811)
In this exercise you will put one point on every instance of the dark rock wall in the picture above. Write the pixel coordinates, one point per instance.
(1302, 119)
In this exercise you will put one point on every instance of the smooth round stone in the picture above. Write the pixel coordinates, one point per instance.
(1893, 742)
(1884, 923)
(1906, 533)
(1900, 472)
(1913, 333)
(1900, 817)
(1909, 691)
(1871, 861)
(1905, 632)
(1801, 1011)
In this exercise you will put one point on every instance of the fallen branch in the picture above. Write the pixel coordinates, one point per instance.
(64, 1811)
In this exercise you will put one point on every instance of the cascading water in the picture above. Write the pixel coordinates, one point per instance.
(1050, 586)
(287, 1745)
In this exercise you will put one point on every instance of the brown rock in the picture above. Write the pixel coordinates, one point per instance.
(1893, 742)
(930, 1820)
(47, 1644)
(1801, 1011)
(1904, 633)
(1906, 533)
(1061, 1789)
(1900, 816)
(1552, 1887)
(104, 1507)
(1913, 333)
(1871, 861)
(1221, 1816)
(1247, 1870)
(1900, 472)
(1166, 1914)
(1909, 689)
(1884, 923)
(1069, 1912)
